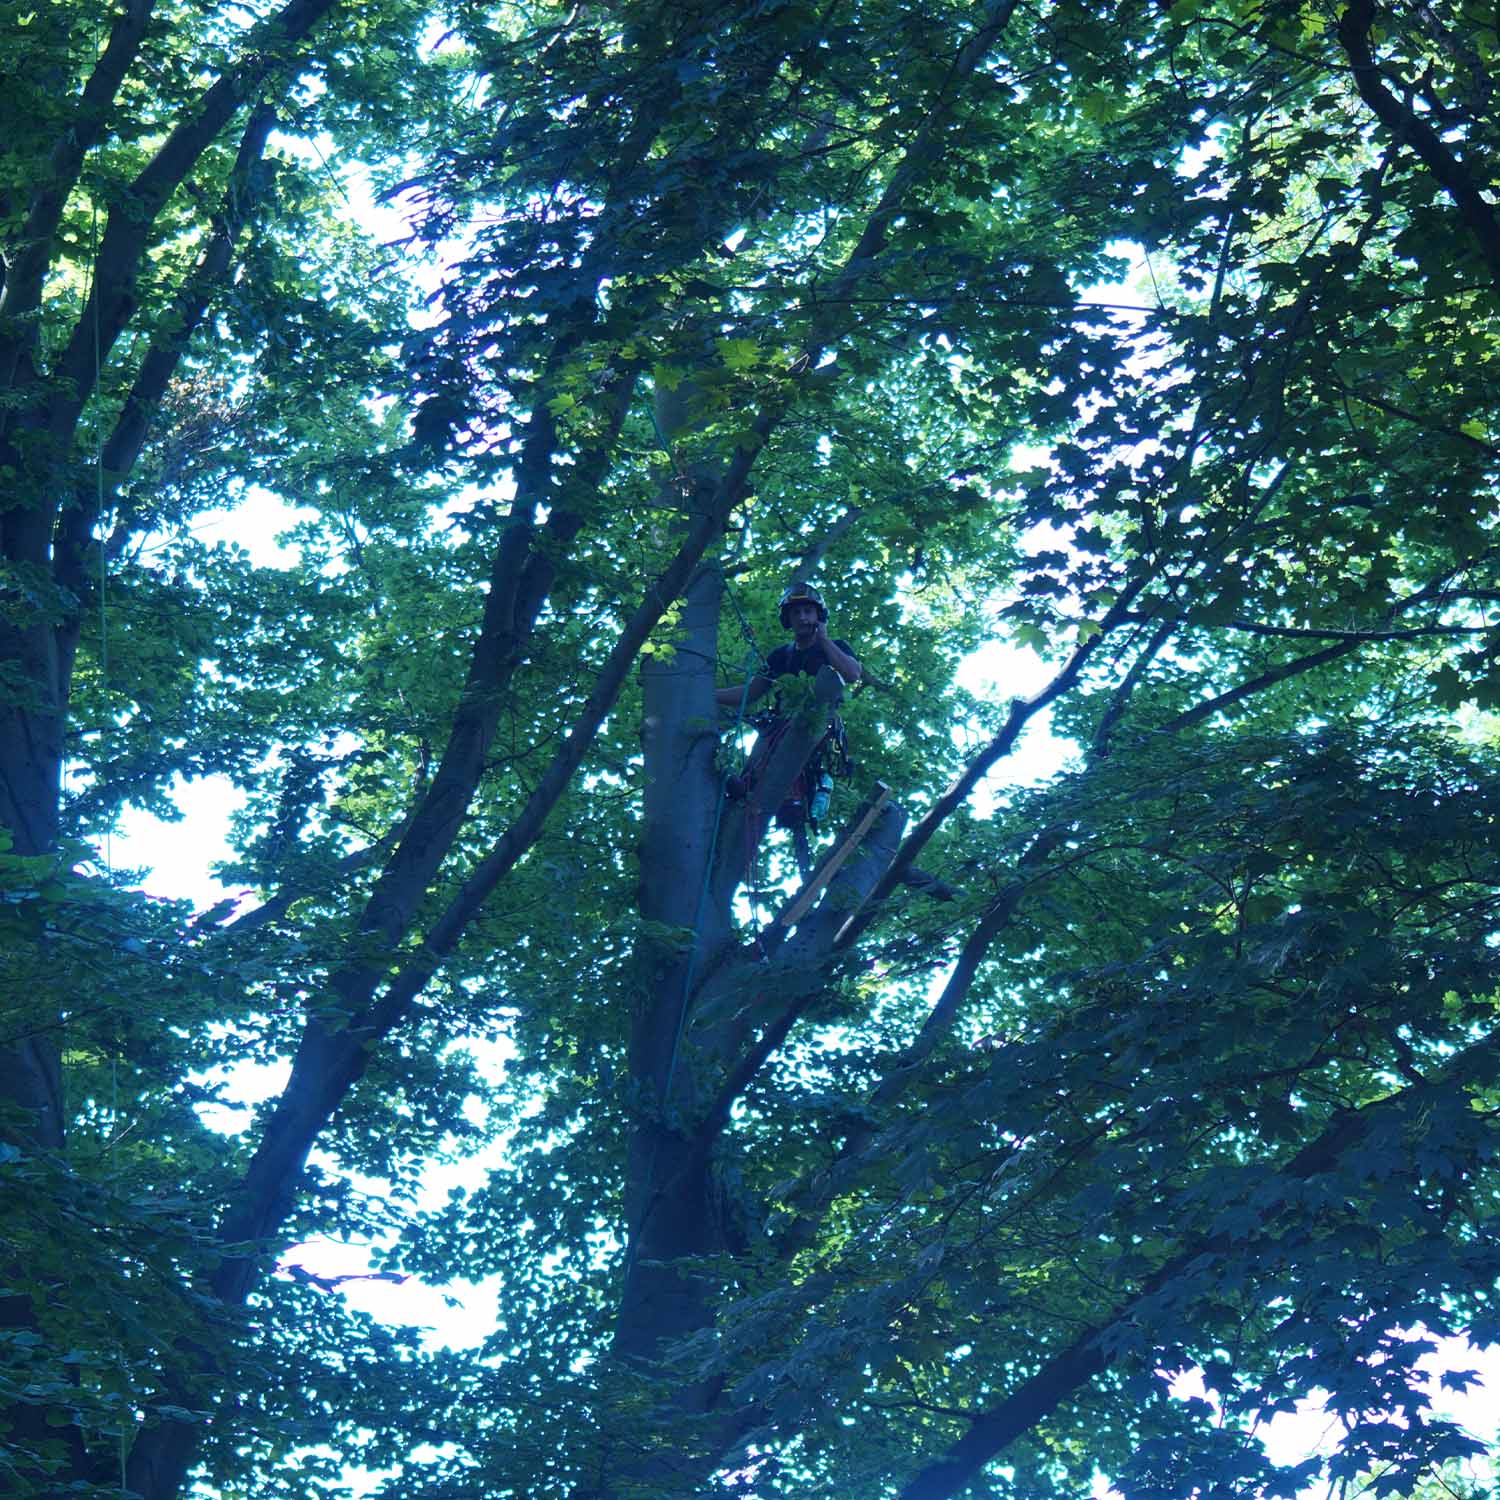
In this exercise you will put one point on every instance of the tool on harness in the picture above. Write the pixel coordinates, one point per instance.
(822, 794)
(808, 799)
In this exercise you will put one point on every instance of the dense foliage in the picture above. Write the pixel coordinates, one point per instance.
(1157, 344)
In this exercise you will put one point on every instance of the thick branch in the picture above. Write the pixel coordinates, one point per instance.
(815, 1193)
(798, 977)
(329, 1062)
(445, 803)
(21, 293)
(812, 556)
(520, 580)
(497, 864)
(128, 229)
(119, 453)
(330, 1059)
(777, 768)
(1406, 125)
(995, 1430)
(334, 1051)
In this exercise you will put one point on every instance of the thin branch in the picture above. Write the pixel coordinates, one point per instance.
(1253, 685)
(1433, 592)
(1120, 699)
(277, 906)
(925, 147)
(951, 1471)
(1022, 711)
(1391, 408)
(1358, 637)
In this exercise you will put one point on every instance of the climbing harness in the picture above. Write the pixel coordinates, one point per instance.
(807, 802)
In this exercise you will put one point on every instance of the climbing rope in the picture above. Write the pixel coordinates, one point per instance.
(679, 469)
(122, 1453)
(98, 435)
(760, 664)
(745, 627)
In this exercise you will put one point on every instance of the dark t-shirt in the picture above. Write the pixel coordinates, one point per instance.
(790, 661)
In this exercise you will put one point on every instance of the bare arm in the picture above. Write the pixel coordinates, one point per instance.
(730, 697)
(841, 662)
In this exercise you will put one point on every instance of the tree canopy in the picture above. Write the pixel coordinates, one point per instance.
(1159, 344)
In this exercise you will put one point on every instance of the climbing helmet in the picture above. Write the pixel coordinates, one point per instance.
(802, 593)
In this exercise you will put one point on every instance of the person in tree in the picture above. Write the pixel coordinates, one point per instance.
(810, 649)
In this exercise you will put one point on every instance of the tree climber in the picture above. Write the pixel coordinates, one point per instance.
(810, 649)
(806, 616)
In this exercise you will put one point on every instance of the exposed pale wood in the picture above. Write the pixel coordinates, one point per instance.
(834, 860)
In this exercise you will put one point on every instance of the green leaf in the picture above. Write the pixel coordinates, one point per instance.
(739, 354)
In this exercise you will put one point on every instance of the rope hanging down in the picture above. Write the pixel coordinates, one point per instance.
(122, 1449)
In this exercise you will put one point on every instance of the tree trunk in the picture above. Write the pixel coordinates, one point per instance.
(710, 1014)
